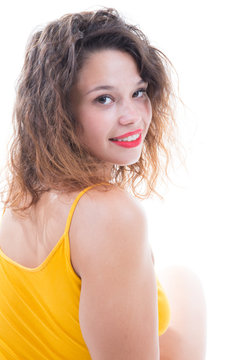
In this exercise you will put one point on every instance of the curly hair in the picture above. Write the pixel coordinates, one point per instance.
(45, 152)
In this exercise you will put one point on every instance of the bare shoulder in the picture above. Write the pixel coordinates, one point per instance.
(100, 213)
(113, 201)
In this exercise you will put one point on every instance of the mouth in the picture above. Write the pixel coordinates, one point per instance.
(129, 142)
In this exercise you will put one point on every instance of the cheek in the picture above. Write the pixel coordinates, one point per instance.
(86, 120)
(94, 127)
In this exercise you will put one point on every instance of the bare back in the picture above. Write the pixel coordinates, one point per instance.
(29, 241)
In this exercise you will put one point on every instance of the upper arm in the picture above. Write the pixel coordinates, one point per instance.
(118, 303)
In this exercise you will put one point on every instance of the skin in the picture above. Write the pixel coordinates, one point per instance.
(101, 115)
(104, 114)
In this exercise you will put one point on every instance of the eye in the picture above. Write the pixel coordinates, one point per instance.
(102, 99)
(140, 91)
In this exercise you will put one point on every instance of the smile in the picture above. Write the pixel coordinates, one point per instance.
(128, 138)
(128, 142)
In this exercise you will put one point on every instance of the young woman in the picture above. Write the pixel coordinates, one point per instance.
(92, 122)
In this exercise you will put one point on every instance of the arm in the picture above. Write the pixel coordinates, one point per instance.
(118, 304)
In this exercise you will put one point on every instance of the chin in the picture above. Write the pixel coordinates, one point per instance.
(127, 162)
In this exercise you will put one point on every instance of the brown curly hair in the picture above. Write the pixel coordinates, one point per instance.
(45, 152)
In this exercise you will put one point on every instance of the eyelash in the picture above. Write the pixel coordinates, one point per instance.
(108, 96)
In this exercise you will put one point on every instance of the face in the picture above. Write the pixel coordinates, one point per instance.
(109, 101)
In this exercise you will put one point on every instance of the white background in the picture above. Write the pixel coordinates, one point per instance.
(197, 225)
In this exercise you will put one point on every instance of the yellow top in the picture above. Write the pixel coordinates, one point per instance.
(39, 307)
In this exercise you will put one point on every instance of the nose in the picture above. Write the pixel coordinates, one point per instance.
(129, 113)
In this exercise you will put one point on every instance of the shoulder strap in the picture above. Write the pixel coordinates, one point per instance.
(71, 212)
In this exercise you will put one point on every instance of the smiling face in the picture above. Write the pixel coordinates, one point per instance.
(109, 100)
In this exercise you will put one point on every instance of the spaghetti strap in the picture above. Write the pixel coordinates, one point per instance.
(71, 212)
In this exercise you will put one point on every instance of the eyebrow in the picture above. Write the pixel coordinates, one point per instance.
(108, 87)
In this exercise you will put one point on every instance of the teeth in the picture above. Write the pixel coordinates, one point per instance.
(129, 138)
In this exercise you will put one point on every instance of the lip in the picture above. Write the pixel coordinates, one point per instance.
(128, 134)
(128, 144)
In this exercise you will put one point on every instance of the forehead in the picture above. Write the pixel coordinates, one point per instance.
(108, 65)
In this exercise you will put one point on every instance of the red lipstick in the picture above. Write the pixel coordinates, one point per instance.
(128, 144)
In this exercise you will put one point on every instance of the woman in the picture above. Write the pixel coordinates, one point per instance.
(92, 119)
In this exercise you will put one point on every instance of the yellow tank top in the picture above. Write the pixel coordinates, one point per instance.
(39, 307)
